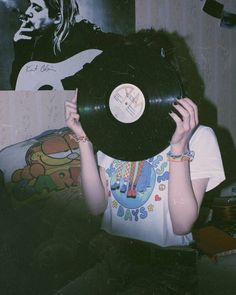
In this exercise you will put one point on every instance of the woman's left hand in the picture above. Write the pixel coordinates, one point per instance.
(185, 126)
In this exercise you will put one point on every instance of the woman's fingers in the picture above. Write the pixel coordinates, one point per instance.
(186, 119)
(75, 97)
(194, 107)
(188, 110)
(74, 117)
(176, 118)
(70, 107)
(185, 116)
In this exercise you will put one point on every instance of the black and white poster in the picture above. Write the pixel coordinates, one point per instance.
(45, 42)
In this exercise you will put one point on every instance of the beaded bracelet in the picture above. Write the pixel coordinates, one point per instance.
(187, 156)
(81, 138)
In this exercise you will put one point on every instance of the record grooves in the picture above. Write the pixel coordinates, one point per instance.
(151, 85)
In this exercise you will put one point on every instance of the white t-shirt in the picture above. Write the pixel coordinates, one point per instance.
(138, 191)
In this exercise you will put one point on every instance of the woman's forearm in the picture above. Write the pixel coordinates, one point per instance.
(183, 204)
(92, 185)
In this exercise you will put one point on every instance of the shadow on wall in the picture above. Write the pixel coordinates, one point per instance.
(195, 89)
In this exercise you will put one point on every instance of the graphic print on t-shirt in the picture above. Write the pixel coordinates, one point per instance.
(133, 183)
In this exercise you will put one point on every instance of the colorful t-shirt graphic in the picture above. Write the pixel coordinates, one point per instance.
(138, 191)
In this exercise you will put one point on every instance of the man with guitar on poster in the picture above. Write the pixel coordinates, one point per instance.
(49, 42)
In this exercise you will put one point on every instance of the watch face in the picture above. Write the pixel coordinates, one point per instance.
(127, 103)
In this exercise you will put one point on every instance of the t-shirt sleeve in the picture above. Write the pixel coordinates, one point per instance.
(100, 159)
(207, 162)
(103, 160)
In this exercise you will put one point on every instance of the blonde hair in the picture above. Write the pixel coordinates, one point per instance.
(66, 10)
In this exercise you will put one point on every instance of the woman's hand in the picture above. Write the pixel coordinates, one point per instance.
(185, 126)
(72, 117)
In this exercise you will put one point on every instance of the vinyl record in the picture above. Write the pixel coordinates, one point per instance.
(125, 96)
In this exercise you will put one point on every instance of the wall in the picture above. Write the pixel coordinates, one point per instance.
(116, 15)
(212, 49)
(25, 114)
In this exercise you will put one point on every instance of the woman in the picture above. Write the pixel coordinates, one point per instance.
(156, 200)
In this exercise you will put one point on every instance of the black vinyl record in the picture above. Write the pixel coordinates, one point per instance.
(125, 74)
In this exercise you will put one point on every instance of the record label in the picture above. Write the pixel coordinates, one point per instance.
(127, 103)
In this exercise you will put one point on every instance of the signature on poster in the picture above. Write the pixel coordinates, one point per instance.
(41, 73)
(39, 68)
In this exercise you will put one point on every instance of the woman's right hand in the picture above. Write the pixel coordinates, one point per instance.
(72, 116)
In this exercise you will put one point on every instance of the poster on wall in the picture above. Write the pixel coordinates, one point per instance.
(45, 43)
(44, 46)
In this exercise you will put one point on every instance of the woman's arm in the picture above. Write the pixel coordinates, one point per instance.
(184, 195)
(93, 183)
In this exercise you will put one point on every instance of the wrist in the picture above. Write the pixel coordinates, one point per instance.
(79, 134)
(186, 156)
(79, 138)
(178, 149)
